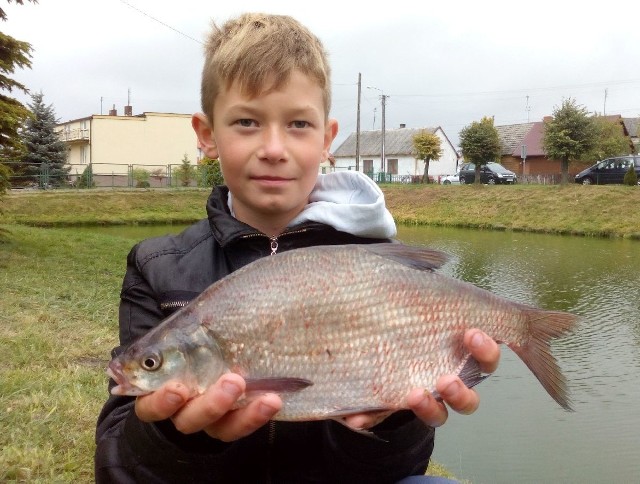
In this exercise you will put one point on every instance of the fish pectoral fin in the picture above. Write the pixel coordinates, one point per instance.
(276, 385)
(419, 258)
(470, 374)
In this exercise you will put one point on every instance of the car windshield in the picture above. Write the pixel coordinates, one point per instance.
(497, 168)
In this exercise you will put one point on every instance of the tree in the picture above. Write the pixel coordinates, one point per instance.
(630, 177)
(46, 155)
(427, 147)
(13, 54)
(569, 135)
(610, 140)
(212, 174)
(86, 179)
(480, 144)
(141, 177)
(185, 172)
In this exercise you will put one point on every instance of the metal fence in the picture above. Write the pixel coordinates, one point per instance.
(112, 175)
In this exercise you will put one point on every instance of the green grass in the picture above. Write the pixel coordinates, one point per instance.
(57, 326)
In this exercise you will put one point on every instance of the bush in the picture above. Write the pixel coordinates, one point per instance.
(211, 174)
(185, 172)
(5, 173)
(86, 179)
(141, 177)
(630, 177)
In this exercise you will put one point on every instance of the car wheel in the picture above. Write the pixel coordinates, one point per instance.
(587, 181)
(462, 180)
(446, 182)
(491, 181)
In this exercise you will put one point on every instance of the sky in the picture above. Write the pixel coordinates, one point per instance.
(441, 64)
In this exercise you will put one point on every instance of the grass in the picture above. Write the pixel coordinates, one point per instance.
(57, 326)
(60, 290)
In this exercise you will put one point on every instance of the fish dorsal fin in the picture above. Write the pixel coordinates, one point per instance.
(420, 258)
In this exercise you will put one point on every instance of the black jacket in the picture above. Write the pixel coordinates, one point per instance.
(165, 273)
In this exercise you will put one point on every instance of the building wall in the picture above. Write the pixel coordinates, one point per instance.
(539, 165)
(111, 143)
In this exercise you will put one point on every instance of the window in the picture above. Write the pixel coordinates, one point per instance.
(392, 167)
(367, 166)
(84, 154)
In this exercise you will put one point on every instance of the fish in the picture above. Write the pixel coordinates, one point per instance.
(339, 330)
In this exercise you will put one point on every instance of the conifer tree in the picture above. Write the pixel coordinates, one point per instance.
(46, 155)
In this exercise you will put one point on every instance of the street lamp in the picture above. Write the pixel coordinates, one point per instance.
(383, 100)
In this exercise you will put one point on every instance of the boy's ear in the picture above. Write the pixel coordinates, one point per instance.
(204, 132)
(330, 133)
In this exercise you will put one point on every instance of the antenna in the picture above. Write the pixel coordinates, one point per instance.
(527, 109)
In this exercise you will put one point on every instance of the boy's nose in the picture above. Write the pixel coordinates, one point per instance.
(273, 146)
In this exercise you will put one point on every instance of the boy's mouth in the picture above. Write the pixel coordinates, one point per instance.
(271, 180)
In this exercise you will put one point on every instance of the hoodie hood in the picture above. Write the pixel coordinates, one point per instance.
(351, 202)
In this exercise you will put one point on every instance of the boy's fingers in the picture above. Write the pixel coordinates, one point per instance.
(455, 394)
(242, 422)
(163, 403)
(427, 408)
(209, 407)
(483, 348)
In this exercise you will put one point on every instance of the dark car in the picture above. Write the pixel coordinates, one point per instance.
(611, 170)
(491, 173)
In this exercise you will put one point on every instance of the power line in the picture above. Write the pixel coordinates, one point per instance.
(160, 22)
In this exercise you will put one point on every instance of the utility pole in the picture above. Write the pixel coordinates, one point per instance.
(383, 100)
(604, 111)
(358, 124)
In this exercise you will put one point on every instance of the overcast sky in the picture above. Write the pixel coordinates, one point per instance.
(441, 63)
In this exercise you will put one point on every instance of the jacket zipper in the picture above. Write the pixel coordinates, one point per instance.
(273, 240)
(173, 304)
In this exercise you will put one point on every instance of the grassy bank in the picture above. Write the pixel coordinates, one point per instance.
(608, 211)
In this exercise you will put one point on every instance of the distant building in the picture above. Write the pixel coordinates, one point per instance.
(400, 159)
(115, 145)
(513, 137)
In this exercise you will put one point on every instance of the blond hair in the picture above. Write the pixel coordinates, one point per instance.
(255, 49)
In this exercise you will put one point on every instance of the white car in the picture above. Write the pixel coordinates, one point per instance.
(450, 179)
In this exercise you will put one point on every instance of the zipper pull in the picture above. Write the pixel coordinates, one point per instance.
(274, 245)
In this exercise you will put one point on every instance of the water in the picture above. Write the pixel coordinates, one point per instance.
(519, 434)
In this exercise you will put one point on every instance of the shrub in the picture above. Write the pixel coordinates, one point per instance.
(630, 177)
(86, 179)
(211, 174)
(141, 177)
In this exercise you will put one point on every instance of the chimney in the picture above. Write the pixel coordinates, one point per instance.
(402, 125)
(113, 111)
(128, 110)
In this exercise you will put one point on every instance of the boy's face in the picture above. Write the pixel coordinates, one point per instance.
(269, 148)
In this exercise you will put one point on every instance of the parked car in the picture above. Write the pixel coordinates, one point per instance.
(450, 179)
(492, 173)
(611, 170)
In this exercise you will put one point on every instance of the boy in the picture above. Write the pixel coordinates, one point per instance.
(265, 102)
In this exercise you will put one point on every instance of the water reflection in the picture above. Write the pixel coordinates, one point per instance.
(519, 434)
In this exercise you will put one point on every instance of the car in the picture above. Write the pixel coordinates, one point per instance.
(491, 173)
(450, 179)
(610, 170)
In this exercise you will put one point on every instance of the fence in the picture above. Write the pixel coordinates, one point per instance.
(110, 175)
(113, 175)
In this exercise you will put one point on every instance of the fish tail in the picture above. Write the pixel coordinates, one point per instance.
(536, 352)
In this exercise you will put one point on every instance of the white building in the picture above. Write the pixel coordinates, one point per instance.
(400, 159)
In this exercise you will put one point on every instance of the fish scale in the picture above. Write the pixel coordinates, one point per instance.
(337, 330)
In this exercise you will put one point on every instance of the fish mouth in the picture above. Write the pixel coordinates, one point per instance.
(123, 386)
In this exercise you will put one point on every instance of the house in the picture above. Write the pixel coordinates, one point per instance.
(116, 145)
(400, 159)
(533, 161)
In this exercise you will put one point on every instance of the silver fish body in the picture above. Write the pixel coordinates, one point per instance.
(338, 330)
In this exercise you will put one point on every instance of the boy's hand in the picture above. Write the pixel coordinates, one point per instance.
(454, 393)
(212, 411)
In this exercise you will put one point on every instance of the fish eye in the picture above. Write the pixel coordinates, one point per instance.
(151, 362)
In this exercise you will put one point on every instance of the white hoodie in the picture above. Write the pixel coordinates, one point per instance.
(351, 202)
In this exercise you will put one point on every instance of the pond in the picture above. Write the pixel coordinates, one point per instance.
(520, 434)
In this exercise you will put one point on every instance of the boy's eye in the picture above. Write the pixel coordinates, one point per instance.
(246, 123)
(300, 124)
